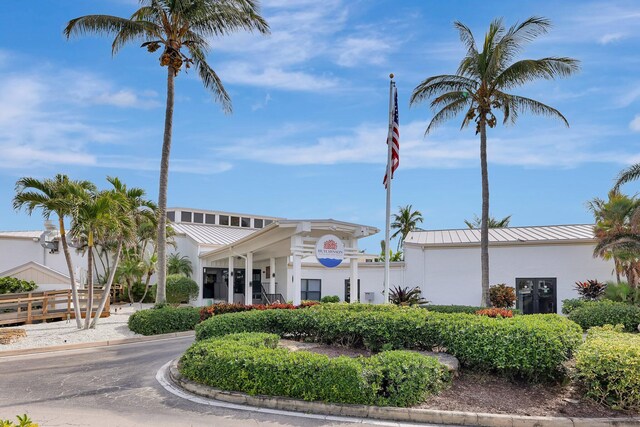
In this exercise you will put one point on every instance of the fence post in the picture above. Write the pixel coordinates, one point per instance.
(29, 309)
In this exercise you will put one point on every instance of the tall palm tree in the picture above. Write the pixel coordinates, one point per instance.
(177, 264)
(478, 89)
(476, 222)
(60, 196)
(175, 25)
(404, 222)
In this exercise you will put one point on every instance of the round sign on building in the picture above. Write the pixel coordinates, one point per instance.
(329, 250)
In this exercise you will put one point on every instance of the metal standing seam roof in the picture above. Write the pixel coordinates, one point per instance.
(212, 234)
(550, 233)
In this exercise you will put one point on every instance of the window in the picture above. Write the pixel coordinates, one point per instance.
(267, 222)
(185, 216)
(235, 221)
(224, 220)
(198, 217)
(209, 219)
(257, 223)
(171, 216)
(311, 289)
(245, 222)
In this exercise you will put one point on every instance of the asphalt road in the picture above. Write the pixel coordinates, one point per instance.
(115, 386)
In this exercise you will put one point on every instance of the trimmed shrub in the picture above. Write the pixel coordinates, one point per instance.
(469, 309)
(502, 296)
(330, 299)
(11, 285)
(600, 313)
(608, 364)
(495, 312)
(164, 320)
(251, 363)
(181, 289)
(224, 308)
(568, 305)
(531, 347)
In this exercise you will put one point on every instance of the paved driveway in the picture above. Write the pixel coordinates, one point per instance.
(114, 386)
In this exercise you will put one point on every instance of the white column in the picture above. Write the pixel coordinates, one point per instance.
(296, 273)
(272, 276)
(230, 278)
(248, 275)
(353, 279)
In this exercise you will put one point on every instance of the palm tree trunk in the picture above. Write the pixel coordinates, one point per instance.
(74, 287)
(146, 286)
(484, 231)
(107, 289)
(162, 196)
(87, 319)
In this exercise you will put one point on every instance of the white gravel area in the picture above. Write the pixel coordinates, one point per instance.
(63, 332)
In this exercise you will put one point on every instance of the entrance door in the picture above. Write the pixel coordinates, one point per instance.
(536, 295)
(347, 290)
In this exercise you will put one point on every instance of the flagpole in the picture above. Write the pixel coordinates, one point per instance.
(388, 211)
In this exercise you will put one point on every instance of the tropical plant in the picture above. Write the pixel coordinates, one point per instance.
(181, 289)
(60, 196)
(177, 264)
(404, 222)
(615, 229)
(23, 421)
(479, 88)
(393, 256)
(406, 296)
(174, 25)
(495, 312)
(476, 222)
(502, 296)
(13, 285)
(622, 292)
(590, 289)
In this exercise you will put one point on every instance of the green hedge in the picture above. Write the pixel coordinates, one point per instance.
(11, 285)
(605, 312)
(164, 320)
(568, 305)
(469, 309)
(181, 289)
(251, 363)
(608, 364)
(531, 347)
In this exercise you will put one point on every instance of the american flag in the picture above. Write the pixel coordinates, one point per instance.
(394, 136)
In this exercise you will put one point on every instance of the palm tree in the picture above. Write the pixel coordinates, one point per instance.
(632, 173)
(476, 223)
(174, 25)
(479, 88)
(404, 222)
(177, 264)
(60, 196)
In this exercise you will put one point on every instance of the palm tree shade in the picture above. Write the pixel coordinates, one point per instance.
(177, 264)
(182, 28)
(404, 222)
(479, 90)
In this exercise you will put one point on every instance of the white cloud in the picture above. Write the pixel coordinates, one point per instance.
(362, 50)
(635, 123)
(446, 148)
(610, 38)
(629, 96)
(261, 104)
(276, 78)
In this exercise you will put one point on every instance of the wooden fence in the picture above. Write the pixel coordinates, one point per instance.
(49, 305)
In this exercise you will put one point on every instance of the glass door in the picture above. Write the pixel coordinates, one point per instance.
(536, 295)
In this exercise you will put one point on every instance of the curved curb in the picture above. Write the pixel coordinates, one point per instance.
(77, 346)
(414, 415)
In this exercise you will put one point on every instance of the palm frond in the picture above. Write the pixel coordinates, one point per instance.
(95, 24)
(210, 79)
(448, 112)
(466, 37)
(632, 173)
(437, 85)
(524, 71)
(520, 103)
(222, 17)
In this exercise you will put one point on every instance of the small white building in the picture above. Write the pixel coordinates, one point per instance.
(542, 263)
(280, 255)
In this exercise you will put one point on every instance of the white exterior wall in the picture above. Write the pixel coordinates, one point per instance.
(452, 275)
(16, 252)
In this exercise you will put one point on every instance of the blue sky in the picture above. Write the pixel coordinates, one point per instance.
(306, 137)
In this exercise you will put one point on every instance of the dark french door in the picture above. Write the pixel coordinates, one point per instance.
(536, 295)
(347, 290)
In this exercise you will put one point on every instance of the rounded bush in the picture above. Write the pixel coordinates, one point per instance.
(608, 365)
(164, 320)
(181, 289)
(330, 299)
(252, 363)
(11, 285)
(600, 313)
(531, 347)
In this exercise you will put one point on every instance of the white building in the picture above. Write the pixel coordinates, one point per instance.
(542, 263)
